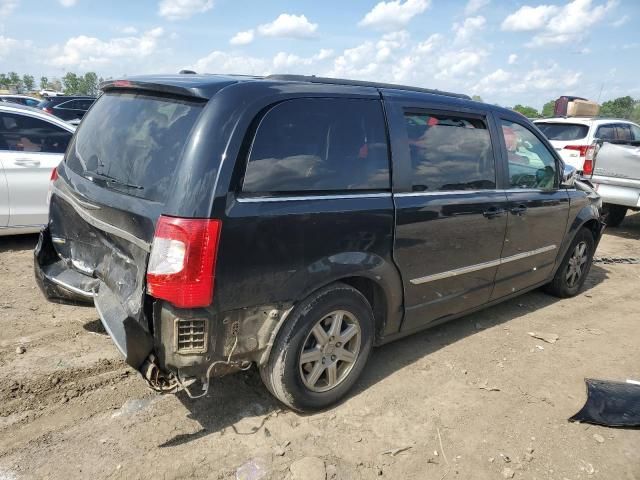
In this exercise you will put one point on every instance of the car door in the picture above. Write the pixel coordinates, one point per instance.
(66, 110)
(450, 214)
(32, 148)
(4, 193)
(538, 208)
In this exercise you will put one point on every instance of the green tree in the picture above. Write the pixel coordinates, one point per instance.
(621, 107)
(4, 80)
(29, 82)
(14, 81)
(71, 83)
(528, 112)
(476, 98)
(90, 84)
(635, 116)
(549, 108)
(55, 84)
(44, 82)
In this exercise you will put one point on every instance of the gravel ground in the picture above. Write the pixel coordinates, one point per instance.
(478, 398)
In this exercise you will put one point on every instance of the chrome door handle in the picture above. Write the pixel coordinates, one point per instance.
(493, 212)
(27, 162)
(519, 210)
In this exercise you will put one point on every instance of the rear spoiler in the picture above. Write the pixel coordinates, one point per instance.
(114, 85)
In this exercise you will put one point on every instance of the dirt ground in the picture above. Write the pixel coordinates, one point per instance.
(477, 398)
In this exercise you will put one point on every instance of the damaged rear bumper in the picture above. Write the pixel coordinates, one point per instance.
(63, 284)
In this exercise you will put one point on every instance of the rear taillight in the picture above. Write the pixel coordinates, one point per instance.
(48, 110)
(589, 159)
(183, 260)
(580, 148)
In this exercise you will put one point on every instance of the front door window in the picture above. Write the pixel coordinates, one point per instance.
(531, 164)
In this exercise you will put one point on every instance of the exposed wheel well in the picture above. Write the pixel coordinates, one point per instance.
(593, 226)
(375, 296)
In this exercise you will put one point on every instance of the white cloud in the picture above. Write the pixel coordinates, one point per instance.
(289, 62)
(87, 53)
(7, 7)
(222, 62)
(558, 25)
(183, 9)
(429, 44)
(68, 3)
(550, 78)
(283, 62)
(492, 82)
(7, 45)
(129, 30)
(242, 38)
(393, 15)
(390, 42)
(474, 5)
(513, 58)
(286, 25)
(529, 18)
(456, 63)
(621, 21)
(467, 29)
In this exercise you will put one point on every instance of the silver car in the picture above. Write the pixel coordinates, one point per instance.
(32, 144)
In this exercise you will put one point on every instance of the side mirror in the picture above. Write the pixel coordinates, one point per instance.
(569, 176)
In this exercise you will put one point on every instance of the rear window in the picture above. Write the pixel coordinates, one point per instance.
(132, 142)
(563, 131)
(319, 145)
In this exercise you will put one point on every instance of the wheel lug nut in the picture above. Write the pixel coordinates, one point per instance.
(338, 344)
(333, 358)
(324, 360)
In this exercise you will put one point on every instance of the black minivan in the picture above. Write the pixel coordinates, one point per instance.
(293, 222)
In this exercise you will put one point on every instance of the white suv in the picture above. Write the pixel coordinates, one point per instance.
(572, 136)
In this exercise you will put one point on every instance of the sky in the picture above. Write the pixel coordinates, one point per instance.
(506, 51)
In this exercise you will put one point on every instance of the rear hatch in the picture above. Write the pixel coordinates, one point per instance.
(112, 187)
(569, 139)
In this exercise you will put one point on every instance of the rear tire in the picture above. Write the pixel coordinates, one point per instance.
(575, 266)
(613, 214)
(321, 349)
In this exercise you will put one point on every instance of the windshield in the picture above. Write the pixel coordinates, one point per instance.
(132, 142)
(563, 131)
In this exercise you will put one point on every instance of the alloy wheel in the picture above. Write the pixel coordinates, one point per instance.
(577, 263)
(330, 351)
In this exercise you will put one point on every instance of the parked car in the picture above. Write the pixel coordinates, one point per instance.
(68, 108)
(49, 93)
(294, 222)
(572, 136)
(32, 144)
(616, 177)
(20, 99)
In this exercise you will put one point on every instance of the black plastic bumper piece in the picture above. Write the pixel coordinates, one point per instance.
(62, 284)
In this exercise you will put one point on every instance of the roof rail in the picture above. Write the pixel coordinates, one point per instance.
(361, 83)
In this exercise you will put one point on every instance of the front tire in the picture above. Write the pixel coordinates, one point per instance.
(321, 350)
(613, 214)
(575, 266)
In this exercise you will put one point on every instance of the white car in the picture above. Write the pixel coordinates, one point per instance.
(572, 136)
(32, 144)
(49, 93)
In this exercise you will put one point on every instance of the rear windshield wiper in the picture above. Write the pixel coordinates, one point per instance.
(109, 179)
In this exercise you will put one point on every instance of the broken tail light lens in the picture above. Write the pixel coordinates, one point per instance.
(53, 178)
(182, 263)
